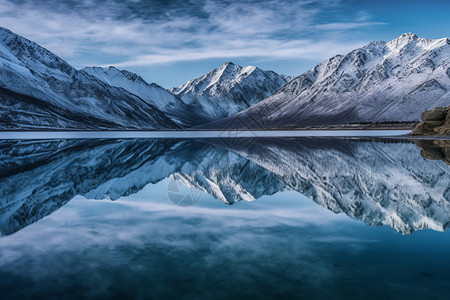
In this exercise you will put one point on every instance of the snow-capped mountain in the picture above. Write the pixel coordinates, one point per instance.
(382, 81)
(40, 90)
(151, 93)
(229, 89)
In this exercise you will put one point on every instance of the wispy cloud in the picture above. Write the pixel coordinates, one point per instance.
(346, 26)
(142, 33)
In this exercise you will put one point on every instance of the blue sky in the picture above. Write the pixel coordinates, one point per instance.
(170, 42)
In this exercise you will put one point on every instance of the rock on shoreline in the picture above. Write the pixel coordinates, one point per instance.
(434, 122)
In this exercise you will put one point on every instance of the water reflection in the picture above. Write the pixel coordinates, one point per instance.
(376, 181)
(435, 149)
(135, 249)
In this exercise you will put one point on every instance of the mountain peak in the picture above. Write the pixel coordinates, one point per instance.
(408, 35)
(113, 71)
(403, 40)
(132, 76)
(229, 88)
(228, 66)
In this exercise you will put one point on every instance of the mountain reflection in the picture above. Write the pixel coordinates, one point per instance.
(377, 182)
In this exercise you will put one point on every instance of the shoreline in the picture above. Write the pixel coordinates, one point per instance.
(216, 130)
(187, 134)
(356, 126)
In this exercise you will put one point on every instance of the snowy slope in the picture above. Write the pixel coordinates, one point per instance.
(229, 89)
(152, 93)
(383, 81)
(40, 90)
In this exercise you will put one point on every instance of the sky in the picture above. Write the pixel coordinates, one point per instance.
(171, 42)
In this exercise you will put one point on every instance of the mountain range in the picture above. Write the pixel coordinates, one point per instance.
(381, 82)
(39, 90)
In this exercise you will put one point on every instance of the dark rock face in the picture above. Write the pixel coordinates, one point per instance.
(434, 122)
(433, 115)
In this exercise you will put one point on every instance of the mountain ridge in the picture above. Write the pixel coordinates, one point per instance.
(32, 71)
(219, 93)
(151, 93)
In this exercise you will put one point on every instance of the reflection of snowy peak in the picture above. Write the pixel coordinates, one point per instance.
(381, 184)
(382, 81)
(57, 171)
(229, 89)
(228, 177)
(376, 182)
(40, 90)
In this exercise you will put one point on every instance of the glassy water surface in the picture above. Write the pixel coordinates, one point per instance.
(267, 218)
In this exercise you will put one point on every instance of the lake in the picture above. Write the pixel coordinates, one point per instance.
(224, 216)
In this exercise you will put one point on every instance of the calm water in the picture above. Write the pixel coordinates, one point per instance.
(224, 218)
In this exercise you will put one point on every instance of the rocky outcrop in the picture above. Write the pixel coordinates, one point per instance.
(434, 122)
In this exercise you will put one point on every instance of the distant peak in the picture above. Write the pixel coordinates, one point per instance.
(94, 68)
(405, 37)
(226, 67)
(132, 76)
(409, 35)
(403, 40)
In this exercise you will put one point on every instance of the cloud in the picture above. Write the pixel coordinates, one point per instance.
(346, 26)
(144, 33)
(301, 49)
